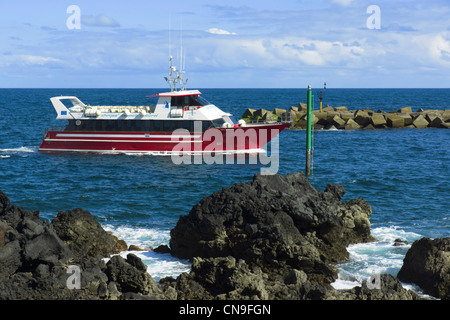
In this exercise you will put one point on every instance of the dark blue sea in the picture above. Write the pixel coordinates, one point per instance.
(403, 173)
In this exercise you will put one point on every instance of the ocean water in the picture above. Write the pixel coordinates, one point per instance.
(404, 174)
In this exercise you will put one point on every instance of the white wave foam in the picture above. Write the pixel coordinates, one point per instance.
(391, 233)
(342, 284)
(141, 237)
(21, 149)
(158, 265)
(4, 157)
(161, 265)
(149, 153)
(368, 259)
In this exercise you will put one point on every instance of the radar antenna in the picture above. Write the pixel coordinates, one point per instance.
(176, 76)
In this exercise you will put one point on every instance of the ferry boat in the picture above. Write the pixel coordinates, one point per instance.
(182, 121)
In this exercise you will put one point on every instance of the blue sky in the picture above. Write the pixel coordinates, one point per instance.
(227, 44)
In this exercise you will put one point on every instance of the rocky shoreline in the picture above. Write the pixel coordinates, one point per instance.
(343, 119)
(274, 238)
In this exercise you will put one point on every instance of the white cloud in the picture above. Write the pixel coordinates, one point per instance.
(26, 60)
(433, 49)
(287, 53)
(29, 59)
(219, 31)
(343, 2)
(99, 21)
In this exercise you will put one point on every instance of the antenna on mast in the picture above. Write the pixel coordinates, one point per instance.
(170, 36)
(182, 60)
(176, 76)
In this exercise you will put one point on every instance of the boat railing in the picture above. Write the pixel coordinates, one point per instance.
(286, 117)
(270, 121)
(283, 118)
(262, 121)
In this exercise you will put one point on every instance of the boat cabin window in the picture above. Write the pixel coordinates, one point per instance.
(217, 123)
(189, 101)
(202, 101)
(141, 125)
(231, 118)
(72, 102)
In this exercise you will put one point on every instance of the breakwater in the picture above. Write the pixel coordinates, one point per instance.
(330, 118)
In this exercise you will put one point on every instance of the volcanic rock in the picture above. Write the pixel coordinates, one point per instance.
(276, 223)
(35, 263)
(82, 233)
(273, 238)
(387, 287)
(400, 242)
(427, 264)
(130, 275)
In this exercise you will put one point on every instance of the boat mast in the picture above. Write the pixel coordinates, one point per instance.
(176, 76)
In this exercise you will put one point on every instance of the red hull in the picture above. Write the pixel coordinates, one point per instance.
(238, 139)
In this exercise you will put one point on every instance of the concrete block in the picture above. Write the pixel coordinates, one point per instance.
(395, 121)
(362, 118)
(338, 122)
(342, 108)
(352, 125)
(420, 122)
(405, 110)
(378, 120)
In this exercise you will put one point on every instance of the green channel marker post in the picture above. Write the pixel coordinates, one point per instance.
(308, 131)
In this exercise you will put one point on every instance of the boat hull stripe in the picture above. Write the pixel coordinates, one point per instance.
(126, 141)
(156, 152)
(90, 135)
